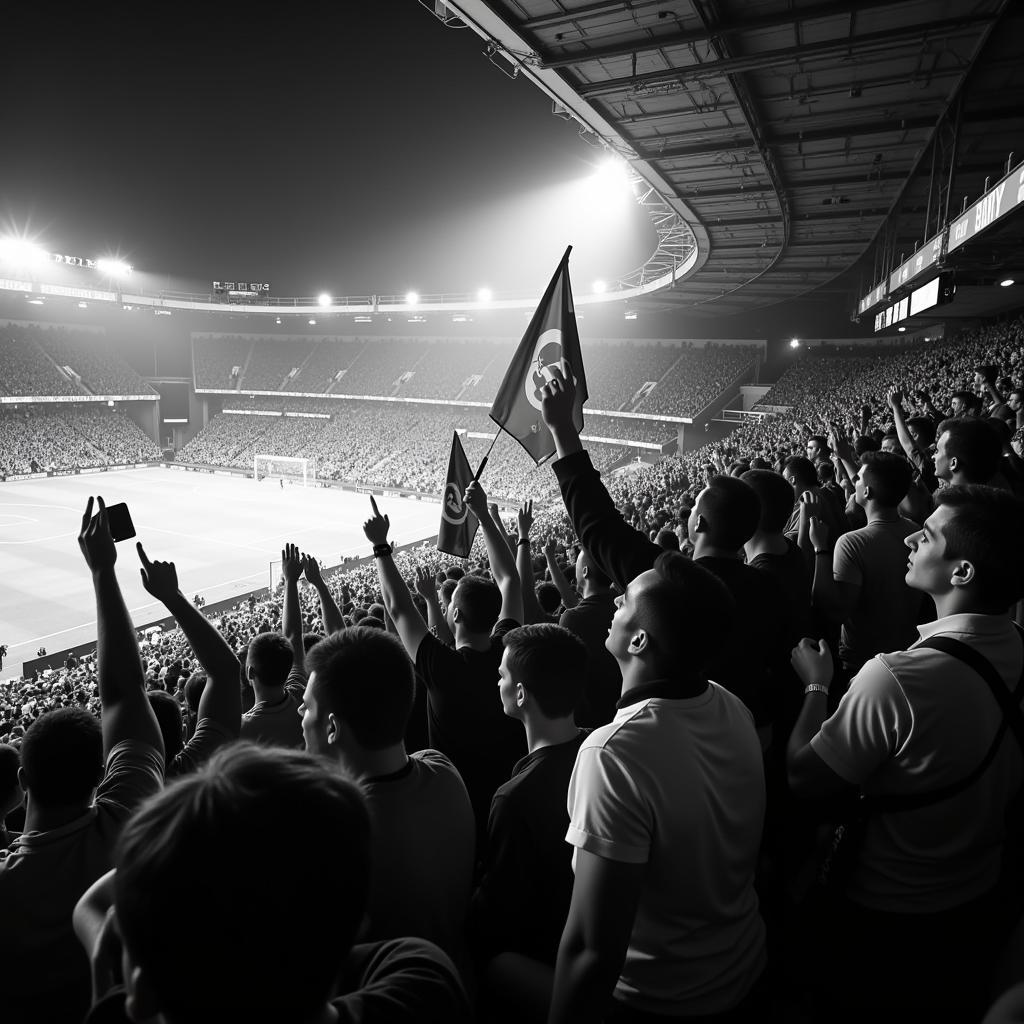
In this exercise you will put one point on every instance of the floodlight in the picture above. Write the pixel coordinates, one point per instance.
(324, 299)
(312, 322)
(113, 268)
(614, 172)
(902, 330)
(21, 252)
(411, 298)
(795, 343)
(484, 295)
(600, 287)
(1006, 282)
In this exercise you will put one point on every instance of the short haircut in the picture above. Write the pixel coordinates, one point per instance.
(775, 495)
(803, 470)
(888, 475)
(826, 472)
(455, 572)
(865, 443)
(358, 614)
(365, 678)
(551, 663)
(446, 590)
(479, 603)
(986, 531)
(966, 397)
(372, 622)
(310, 640)
(975, 445)
(924, 428)
(376, 609)
(62, 755)
(667, 539)
(194, 690)
(192, 846)
(270, 655)
(732, 511)
(548, 597)
(595, 573)
(688, 614)
(821, 440)
(168, 718)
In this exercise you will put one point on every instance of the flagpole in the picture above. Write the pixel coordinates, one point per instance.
(476, 478)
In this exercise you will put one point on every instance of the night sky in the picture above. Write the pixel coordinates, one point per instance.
(356, 148)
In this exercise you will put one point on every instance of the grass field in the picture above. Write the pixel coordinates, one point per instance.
(221, 532)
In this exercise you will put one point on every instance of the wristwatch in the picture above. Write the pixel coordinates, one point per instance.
(815, 688)
(381, 550)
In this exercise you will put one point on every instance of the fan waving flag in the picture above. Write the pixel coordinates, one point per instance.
(551, 340)
(458, 524)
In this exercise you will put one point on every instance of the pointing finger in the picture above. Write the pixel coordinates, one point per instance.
(143, 557)
(373, 505)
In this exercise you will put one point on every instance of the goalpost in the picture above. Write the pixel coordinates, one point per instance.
(280, 466)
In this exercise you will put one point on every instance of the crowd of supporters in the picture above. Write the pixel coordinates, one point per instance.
(42, 438)
(39, 360)
(659, 378)
(591, 772)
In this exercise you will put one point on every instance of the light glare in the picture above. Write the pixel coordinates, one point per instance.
(412, 298)
(1006, 282)
(795, 343)
(21, 252)
(484, 295)
(113, 268)
(600, 287)
(324, 299)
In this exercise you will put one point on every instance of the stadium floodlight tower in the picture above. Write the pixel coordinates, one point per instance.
(283, 467)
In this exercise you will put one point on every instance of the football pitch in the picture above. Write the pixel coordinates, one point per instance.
(222, 533)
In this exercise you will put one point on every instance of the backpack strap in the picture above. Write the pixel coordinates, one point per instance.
(1009, 703)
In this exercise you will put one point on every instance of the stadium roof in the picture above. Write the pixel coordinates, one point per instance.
(787, 136)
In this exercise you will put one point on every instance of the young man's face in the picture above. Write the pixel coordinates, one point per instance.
(507, 689)
(314, 724)
(891, 445)
(942, 468)
(626, 620)
(813, 450)
(928, 567)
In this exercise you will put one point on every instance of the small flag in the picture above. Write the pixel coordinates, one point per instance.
(551, 340)
(458, 524)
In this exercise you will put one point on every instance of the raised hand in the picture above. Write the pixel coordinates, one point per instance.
(376, 527)
(894, 397)
(525, 519)
(476, 498)
(557, 399)
(311, 568)
(550, 548)
(159, 578)
(818, 532)
(291, 563)
(426, 585)
(94, 538)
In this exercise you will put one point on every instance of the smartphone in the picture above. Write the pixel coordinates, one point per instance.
(120, 522)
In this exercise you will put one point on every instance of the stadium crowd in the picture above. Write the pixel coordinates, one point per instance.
(42, 438)
(659, 378)
(735, 737)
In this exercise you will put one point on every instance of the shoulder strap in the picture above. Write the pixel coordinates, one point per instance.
(1008, 702)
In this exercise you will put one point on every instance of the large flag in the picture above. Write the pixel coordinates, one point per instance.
(458, 524)
(551, 340)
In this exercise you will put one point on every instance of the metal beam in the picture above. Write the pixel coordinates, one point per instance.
(648, 43)
(785, 57)
(905, 124)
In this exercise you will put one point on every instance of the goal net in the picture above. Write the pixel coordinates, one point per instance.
(284, 467)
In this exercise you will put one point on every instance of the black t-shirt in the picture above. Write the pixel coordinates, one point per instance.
(523, 898)
(465, 719)
(590, 620)
(792, 573)
(754, 663)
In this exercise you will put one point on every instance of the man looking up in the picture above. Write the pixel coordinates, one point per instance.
(589, 619)
(669, 925)
(916, 934)
(354, 712)
(464, 715)
(521, 903)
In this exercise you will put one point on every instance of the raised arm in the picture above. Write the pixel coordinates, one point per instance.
(126, 713)
(622, 552)
(524, 565)
(426, 587)
(570, 598)
(329, 610)
(495, 513)
(291, 613)
(895, 400)
(503, 566)
(397, 599)
(221, 697)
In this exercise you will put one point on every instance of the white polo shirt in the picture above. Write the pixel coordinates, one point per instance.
(678, 785)
(916, 721)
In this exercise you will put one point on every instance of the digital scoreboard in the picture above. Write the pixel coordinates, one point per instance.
(936, 292)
